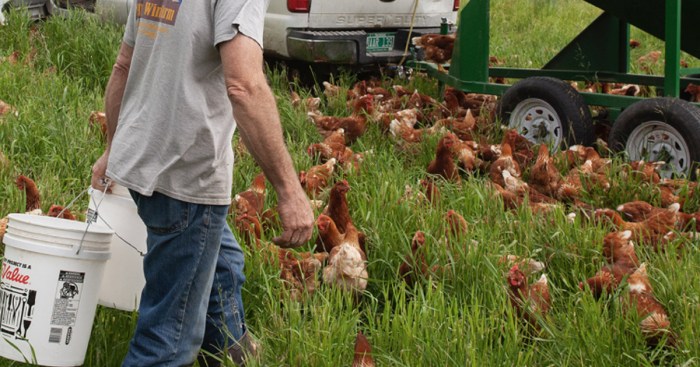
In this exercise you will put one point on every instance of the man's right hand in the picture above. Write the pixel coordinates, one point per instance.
(99, 175)
(297, 220)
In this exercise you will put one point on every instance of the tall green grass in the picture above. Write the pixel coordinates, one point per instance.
(460, 318)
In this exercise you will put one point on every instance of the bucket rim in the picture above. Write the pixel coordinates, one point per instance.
(58, 224)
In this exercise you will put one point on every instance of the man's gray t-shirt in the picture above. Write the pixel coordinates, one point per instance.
(176, 123)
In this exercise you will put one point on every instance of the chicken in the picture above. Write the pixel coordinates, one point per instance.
(59, 211)
(253, 198)
(99, 119)
(655, 324)
(328, 233)
(299, 272)
(522, 150)
(33, 198)
(337, 210)
(347, 264)
(457, 227)
(504, 162)
(354, 125)
(431, 190)
(531, 302)
(466, 154)
(626, 90)
(443, 164)
(692, 89)
(511, 200)
(6, 109)
(308, 103)
(580, 180)
(3, 227)
(317, 178)
(414, 265)
(527, 265)
(642, 171)
(333, 146)
(622, 259)
(436, 48)
(363, 352)
(634, 43)
(648, 231)
(330, 90)
(248, 227)
(544, 175)
(638, 211)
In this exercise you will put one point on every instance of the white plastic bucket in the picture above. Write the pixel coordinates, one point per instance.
(123, 280)
(51, 272)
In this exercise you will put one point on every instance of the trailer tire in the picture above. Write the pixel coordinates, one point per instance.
(660, 129)
(545, 109)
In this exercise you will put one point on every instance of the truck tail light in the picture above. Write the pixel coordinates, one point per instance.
(302, 6)
(455, 7)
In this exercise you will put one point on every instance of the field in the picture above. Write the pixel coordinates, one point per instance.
(460, 317)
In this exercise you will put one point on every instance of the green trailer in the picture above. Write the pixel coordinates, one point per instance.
(545, 108)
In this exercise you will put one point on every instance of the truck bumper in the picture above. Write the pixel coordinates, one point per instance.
(346, 47)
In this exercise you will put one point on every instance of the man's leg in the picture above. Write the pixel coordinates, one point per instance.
(183, 245)
(226, 330)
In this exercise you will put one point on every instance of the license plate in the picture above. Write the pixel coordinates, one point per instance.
(378, 42)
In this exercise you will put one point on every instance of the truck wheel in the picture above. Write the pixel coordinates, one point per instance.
(660, 129)
(547, 110)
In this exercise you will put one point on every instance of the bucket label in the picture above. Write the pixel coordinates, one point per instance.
(91, 216)
(16, 300)
(69, 289)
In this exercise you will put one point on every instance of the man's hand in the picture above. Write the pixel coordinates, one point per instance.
(99, 178)
(297, 220)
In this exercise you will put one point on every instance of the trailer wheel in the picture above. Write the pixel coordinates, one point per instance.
(660, 129)
(547, 110)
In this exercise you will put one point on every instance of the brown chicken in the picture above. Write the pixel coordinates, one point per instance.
(522, 150)
(354, 125)
(254, 197)
(347, 264)
(248, 227)
(337, 210)
(33, 198)
(414, 265)
(466, 154)
(299, 272)
(527, 265)
(59, 211)
(622, 261)
(457, 228)
(648, 231)
(6, 109)
(363, 352)
(531, 302)
(437, 48)
(655, 323)
(642, 171)
(544, 175)
(639, 211)
(580, 180)
(99, 119)
(692, 89)
(443, 164)
(333, 146)
(316, 179)
(505, 162)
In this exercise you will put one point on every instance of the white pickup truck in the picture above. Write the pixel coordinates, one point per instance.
(336, 32)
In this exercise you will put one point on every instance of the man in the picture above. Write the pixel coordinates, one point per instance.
(184, 72)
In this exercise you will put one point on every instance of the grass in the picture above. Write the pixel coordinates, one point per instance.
(461, 318)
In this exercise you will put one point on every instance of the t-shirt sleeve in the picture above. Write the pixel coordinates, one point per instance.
(244, 16)
(130, 29)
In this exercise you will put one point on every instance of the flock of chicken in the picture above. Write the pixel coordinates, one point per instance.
(520, 173)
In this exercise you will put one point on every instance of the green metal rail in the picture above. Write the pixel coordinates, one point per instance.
(599, 53)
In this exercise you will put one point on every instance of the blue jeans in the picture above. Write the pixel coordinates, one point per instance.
(194, 275)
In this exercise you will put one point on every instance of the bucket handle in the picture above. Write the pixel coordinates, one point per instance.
(106, 182)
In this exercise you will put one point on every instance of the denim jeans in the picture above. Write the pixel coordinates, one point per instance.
(194, 275)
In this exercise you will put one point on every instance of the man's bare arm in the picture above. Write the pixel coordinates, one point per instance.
(257, 118)
(113, 101)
